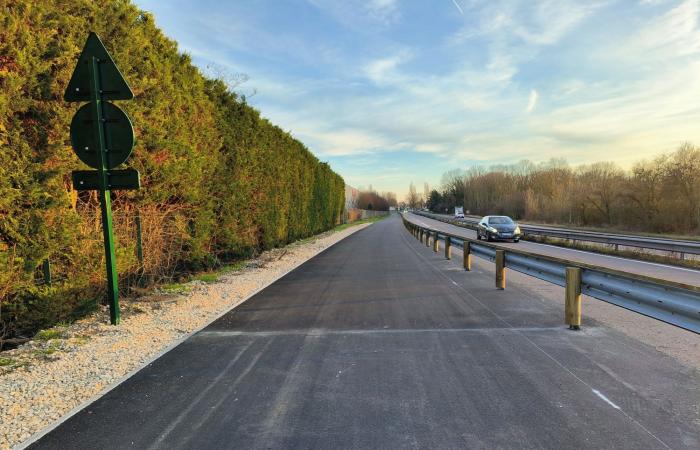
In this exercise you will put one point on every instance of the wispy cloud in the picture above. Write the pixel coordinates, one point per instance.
(532, 101)
(398, 91)
(383, 70)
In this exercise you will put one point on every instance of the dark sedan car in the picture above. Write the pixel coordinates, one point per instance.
(498, 228)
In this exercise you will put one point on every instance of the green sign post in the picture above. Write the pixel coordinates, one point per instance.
(102, 136)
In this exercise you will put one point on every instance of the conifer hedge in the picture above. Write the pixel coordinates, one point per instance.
(218, 180)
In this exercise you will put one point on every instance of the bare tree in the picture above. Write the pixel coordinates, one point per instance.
(413, 199)
(233, 80)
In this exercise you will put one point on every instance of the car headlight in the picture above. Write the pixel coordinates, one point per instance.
(517, 229)
(492, 230)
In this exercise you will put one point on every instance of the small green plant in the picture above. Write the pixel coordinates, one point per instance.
(81, 340)
(4, 362)
(49, 350)
(51, 333)
(207, 277)
(175, 288)
(229, 268)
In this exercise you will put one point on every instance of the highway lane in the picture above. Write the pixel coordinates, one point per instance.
(663, 271)
(380, 343)
(583, 233)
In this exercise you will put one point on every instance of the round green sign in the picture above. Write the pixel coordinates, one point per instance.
(119, 136)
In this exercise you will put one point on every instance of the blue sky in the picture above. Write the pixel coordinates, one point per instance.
(392, 91)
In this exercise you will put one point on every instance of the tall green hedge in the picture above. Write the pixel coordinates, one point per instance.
(221, 180)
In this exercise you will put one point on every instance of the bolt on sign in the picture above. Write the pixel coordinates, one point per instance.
(102, 136)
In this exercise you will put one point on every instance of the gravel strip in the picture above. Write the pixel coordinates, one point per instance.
(46, 379)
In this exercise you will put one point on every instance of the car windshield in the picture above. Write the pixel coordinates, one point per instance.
(500, 220)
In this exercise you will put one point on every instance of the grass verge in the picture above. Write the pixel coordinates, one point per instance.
(359, 222)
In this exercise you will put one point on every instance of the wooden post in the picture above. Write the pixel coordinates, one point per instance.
(436, 242)
(467, 256)
(572, 305)
(500, 269)
(448, 247)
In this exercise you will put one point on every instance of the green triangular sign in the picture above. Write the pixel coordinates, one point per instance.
(113, 84)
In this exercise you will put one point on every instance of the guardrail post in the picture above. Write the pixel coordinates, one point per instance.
(448, 247)
(572, 305)
(436, 242)
(500, 269)
(467, 256)
(427, 238)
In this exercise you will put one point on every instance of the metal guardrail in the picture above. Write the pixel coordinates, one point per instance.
(652, 243)
(668, 301)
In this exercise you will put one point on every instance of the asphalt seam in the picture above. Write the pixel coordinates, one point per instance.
(530, 341)
(324, 332)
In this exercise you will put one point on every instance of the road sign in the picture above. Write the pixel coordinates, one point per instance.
(102, 137)
(89, 180)
(118, 136)
(113, 86)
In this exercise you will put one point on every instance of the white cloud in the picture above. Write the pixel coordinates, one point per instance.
(383, 70)
(532, 101)
(542, 22)
(383, 10)
(674, 34)
(550, 20)
(357, 13)
(618, 92)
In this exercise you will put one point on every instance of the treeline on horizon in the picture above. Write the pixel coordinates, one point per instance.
(373, 200)
(219, 181)
(661, 195)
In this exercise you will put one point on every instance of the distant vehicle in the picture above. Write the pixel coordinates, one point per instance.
(494, 228)
(459, 212)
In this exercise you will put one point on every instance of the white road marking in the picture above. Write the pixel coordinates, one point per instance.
(605, 399)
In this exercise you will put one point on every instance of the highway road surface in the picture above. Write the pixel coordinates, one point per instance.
(656, 270)
(380, 343)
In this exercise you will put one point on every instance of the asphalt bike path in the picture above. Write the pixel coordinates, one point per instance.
(378, 342)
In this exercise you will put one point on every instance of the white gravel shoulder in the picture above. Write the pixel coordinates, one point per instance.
(51, 379)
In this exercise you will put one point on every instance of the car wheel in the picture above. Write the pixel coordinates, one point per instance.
(515, 241)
